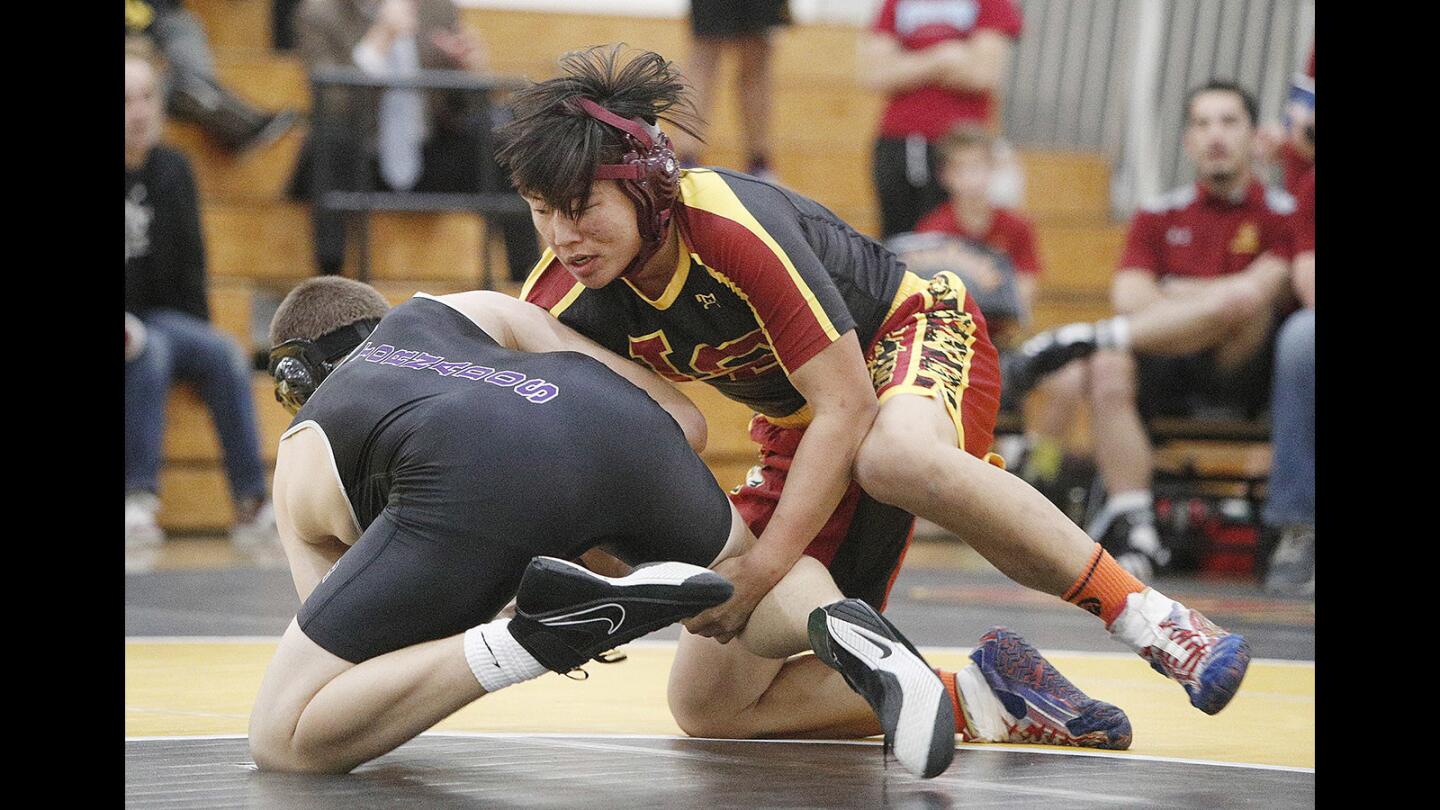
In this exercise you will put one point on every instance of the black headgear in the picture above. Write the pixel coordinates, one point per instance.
(299, 366)
(648, 173)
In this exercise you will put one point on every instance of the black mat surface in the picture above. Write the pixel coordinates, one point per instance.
(596, 772)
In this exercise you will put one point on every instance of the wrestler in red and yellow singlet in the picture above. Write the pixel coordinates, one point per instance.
(766, 279)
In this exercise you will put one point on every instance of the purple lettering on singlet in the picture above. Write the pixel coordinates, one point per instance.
(446, 369)
(538, 391)
(474, 372)
(423, 361)
(398, 357)
(380, 353)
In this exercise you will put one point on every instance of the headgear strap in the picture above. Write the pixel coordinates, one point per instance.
(299, 365)
(641, 132)
(649, 175)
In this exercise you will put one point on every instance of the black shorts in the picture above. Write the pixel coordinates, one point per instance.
(728, 18)
(902, 202)
(1192, 385)
(451, 544)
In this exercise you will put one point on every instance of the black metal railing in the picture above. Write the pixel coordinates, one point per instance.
(493, 198)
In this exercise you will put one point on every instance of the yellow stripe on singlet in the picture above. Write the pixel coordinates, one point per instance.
(535, 273)
(677, 281)
(707, 191)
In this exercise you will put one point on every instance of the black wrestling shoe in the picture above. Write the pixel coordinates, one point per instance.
(1047, 353)
(907, 695)
(565, 614)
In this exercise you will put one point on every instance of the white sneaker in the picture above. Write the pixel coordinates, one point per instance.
(143, 535)
(258, 540)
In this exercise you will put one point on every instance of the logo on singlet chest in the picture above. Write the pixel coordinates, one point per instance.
(746, 356)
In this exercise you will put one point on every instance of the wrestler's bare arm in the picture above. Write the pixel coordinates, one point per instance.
(311, 511)
(525, 327)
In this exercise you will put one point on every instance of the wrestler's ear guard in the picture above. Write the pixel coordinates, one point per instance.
(299, 366)
(648, 173)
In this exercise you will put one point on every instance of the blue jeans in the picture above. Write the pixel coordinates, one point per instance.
(181, 347)
(1292, 415)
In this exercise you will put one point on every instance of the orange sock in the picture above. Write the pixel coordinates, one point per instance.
(948, 678)
(1102, 587)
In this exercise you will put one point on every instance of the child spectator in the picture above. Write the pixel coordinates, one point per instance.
(967, 168)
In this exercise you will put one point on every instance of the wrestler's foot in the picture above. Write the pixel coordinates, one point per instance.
(1183, 645)
(1036, 703)
(565, 614)
(878, 662)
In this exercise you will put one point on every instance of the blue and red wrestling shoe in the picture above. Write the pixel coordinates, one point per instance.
(1039, 704)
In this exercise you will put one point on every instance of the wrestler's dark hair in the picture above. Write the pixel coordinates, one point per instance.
(320, 305)
(1247, 98)
(552, 146)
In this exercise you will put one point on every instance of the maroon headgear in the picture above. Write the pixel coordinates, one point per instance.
(648, 173)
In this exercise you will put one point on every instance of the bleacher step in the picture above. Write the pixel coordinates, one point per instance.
(273, 241)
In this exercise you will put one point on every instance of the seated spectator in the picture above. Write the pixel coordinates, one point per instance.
(192, 91)
(743, 27)
(1289, 513)
(398, 140)
(1203, 279)
(168, 336)
(968, 163)
(966, 170)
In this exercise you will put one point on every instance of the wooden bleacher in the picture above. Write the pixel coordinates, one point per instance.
(259, 242)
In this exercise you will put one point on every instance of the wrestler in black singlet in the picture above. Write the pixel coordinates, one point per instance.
(462, 460)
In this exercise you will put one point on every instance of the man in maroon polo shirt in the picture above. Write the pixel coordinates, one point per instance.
(1204, 276)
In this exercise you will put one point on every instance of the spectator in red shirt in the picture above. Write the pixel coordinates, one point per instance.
(967, 165)
(1291, 144)
(940, 62)
(1206, 272)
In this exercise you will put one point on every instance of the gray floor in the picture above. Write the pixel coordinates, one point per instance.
(933, 606)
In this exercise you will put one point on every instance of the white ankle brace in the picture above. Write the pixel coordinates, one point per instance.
(1138, 625)
(496, 658)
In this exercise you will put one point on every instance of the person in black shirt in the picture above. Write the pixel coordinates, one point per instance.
(169, 336)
